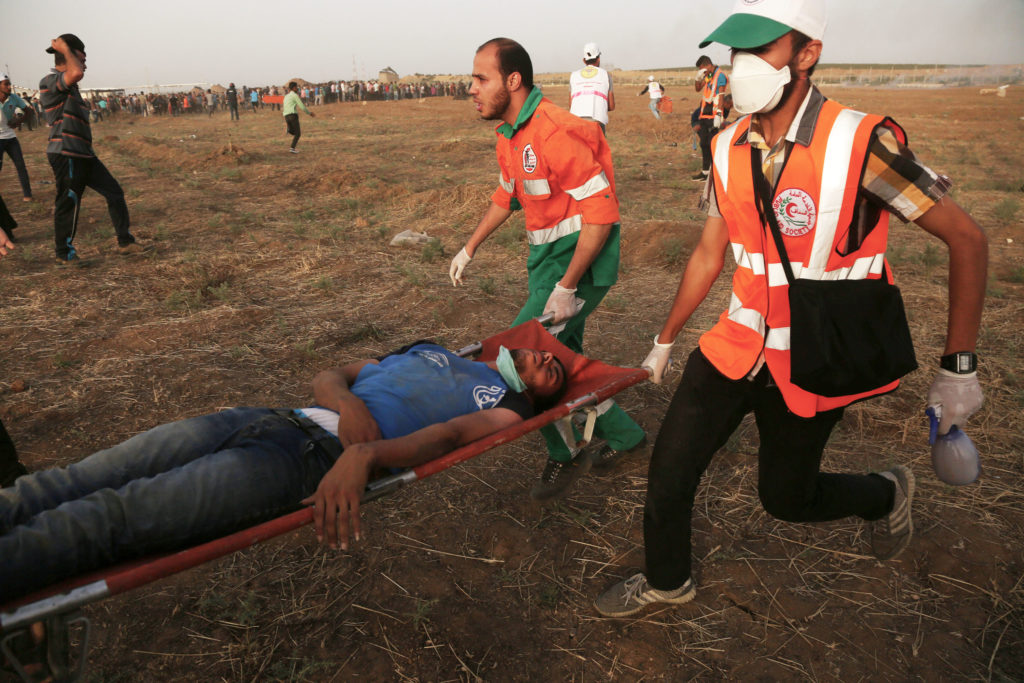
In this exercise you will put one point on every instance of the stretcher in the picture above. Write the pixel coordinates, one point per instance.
(590, 384)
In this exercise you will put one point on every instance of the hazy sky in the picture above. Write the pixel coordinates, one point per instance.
(268, 41)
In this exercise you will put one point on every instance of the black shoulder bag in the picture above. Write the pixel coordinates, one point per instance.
(846, 336)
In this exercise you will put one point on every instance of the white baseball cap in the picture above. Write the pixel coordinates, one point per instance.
(758, 22)
(650, 78)
(3, 77)
(591, 51)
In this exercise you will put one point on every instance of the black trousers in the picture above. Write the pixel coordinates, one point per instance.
(10, 467)
(705, 410)
(705, 132)
(72, 176)
(291, 122)
(7, 222)
(234, 111)
(12, 148)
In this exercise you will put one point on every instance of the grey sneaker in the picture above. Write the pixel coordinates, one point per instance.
(607, 456)
(891, 534)
(133, 248)
(71, 261)
(559, 476)
(631, 595)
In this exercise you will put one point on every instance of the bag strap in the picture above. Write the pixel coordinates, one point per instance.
(763, 202)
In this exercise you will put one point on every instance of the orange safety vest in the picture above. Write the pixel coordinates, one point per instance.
(708, 97)
(814, 201)
(559, 167)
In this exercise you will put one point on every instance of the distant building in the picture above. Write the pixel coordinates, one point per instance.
(387, 75)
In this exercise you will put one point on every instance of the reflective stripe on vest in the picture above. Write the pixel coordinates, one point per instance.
(561, 229)
(507, 185)
(536, 187)
(598, 183)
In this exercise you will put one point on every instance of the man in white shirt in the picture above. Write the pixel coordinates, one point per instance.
(656, 91)
(590, 88)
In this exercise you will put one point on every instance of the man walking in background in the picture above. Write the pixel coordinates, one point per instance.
(590, 88)
(13, 111)
(70, 152)
(711, 84)
(654, 89)
(292, 103)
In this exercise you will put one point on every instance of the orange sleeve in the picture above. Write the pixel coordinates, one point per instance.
(582, 166)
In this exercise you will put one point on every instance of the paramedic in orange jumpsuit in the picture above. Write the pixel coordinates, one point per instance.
(558, 169)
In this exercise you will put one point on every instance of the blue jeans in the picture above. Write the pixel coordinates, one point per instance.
(171, 487)
(654, 108)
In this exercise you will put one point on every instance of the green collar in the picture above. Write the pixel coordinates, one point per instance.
(525, 113)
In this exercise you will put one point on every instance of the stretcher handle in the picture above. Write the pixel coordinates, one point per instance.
(475, 347)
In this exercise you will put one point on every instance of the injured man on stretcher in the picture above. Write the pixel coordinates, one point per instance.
(191, 481)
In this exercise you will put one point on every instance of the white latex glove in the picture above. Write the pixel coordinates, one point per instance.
(658, 361)
(718, 120)
(702, 73)
(459, 264)
(955, 398)
(563, 303)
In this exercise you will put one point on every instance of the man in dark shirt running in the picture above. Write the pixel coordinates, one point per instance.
(69, 150)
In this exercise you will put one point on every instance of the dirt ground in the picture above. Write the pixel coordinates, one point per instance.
(268, 266)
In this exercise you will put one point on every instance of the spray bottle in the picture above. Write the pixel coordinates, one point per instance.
(954, 456)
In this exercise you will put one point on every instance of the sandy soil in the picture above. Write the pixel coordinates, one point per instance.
(268, 266)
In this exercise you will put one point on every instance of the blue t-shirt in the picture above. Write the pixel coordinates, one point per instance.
(427, 384)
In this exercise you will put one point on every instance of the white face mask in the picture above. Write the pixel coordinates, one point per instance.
(756, 84)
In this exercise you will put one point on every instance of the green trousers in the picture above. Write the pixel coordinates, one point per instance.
(614, 426)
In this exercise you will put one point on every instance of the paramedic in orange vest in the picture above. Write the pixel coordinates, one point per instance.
(711, 84)
(558, 169)
(590, 88)
(742, 364)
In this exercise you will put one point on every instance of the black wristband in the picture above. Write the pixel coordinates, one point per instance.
(961, 362)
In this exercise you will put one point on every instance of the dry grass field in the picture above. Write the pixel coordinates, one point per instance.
(268, 266)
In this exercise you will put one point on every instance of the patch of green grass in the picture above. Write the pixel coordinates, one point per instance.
(184, 300)
(421, 614)
(931, 256)
(413, 276)
(308, 215)
(549, 596)
(231, 174)
(239, 352)
(221, 292)
(672, 250)
(432, 251)
(307, 348)
(1016, 275)
(59, 361)
(296, 669)
(324, 282)
(615, 303)
(1006, 210)
(488, 287)
(510, 239)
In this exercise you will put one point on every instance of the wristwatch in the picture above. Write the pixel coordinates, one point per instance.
(961, 362)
